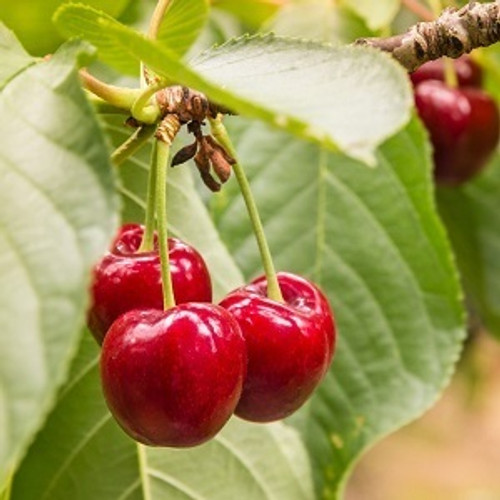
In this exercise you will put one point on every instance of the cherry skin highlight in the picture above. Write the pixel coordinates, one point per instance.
(290, 345)
(469, 73)
(126, 279)
(464, 127)
(173, 378)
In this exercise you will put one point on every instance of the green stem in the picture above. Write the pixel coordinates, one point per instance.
(147, 243)
(132, 144)
(273, 287)
(157, 18)
(142, 109)
(162, 154)
(103, 107)
(120, 97)
(450, 74)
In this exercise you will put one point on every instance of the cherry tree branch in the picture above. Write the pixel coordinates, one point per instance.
(455, 32)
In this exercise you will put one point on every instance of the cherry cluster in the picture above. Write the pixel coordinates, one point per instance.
(463, 121)
(174, 377)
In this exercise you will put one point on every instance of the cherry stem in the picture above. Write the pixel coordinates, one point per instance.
(104, 107)
(273, 288)
(147, 243)
(419, 10)
(157, 18)
(132, 144)
(119, 97)
(450, 73)
(143, 109)
(162, 156)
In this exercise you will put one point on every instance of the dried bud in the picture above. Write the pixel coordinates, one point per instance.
(221, 167)
(203, 163)
(216, 145)
(184, 154)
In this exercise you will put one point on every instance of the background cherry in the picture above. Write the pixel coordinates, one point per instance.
(464, 127)
(469, 73)
(126, 279)
(173, 378)
(290, 345)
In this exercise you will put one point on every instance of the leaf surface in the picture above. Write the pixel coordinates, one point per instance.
(59, 211)
(371, 238)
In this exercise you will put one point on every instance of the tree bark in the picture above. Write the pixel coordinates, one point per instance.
(455, 32)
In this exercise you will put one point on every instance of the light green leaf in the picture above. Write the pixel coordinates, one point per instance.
(84, 26)
(376, 14)
(351, 98)
(473, 221)
(58, 213)
(188, 217)
(373, 241)
(182, 24)
(14, 58)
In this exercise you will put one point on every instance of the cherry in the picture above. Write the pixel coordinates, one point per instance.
(464, 127)
(126, 279)
(173, 378)
(290, 345)
(469, 73)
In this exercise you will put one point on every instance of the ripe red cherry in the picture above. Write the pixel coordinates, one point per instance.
(469, 73)
(464, 127)
(289, 345)
(126, 279)
(173, 378)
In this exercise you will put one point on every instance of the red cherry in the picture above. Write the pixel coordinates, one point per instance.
(290, 345)
(126, 279)
(464, 127)
(173, 378)
(469, 73)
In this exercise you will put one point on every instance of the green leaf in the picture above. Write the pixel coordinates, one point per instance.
(472, 219)
(350, 98)
(188, 217)
(14, 58)
(58, 213)
(372, 240)
(378, 14)
(182, 24)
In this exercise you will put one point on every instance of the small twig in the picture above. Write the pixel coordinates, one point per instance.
(455, 32)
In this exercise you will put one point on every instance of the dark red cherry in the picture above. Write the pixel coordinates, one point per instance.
(289, 345)
(173, 378)
(126, 279)
(469, 73)
(464, 128)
